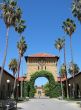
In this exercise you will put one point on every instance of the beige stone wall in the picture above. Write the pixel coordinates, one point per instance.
(37, 92)
(50, 66)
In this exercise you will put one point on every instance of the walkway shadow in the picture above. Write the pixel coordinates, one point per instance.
(18, 108)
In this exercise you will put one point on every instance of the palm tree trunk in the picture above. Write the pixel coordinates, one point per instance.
(72, 65)
(19, 66)
(19, 63)
(21, 89)
(62, 93)
(73, 84)
(13, 92)
(71, 49)
(4, 60)
(66, 71)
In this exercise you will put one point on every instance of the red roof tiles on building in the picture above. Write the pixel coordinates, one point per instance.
(61, 79)
(5, 72)
(42, 55)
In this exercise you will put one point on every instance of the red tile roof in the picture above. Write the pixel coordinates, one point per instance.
(5, 72)
(42, 55)
(39, 87)
(59, 79)
(22, 78)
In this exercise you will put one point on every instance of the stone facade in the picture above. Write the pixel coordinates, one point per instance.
(39, 92)
(40, 62)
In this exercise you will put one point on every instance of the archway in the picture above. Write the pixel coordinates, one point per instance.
(41, 87)
(41, 81)
(42, 73)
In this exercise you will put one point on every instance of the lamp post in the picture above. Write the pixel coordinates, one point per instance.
(8, 82)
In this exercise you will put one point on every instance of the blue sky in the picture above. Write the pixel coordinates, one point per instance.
(44, 20)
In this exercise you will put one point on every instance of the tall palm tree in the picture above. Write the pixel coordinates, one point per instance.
(10, 14)
(62, 70)
(59, 43)
(69, 27)
(76, 69)
(64, 67)
(22, 46)
(20, 26)
(76, 9)
(13, 65)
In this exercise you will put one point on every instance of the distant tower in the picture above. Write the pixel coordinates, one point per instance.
(41, 61)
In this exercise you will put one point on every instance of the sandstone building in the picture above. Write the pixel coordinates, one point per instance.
(41, 61)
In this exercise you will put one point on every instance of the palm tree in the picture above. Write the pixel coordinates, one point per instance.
(64, 65)
(22, 46)
(76, 9)
(69, 27)
(13, 65)
(73, 68)
(20, 26)
(10, 14)
(59, 43)
(62, 70)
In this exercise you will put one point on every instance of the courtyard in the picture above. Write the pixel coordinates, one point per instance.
(40, 65)
(48, 104)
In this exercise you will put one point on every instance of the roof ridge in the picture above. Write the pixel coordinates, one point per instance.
(42, 54)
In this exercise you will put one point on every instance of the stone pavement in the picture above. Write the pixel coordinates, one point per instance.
(48, 104)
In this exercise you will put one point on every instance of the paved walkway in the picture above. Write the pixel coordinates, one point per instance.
(48, 104)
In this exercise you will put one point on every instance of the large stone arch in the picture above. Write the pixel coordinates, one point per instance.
(41, 73)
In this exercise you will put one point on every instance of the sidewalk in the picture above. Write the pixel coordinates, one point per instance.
(76, 103)
(48, 104)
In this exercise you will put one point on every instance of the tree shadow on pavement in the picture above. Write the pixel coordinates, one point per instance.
(19, 108)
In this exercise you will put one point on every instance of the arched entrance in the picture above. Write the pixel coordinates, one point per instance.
(42, 65)
(42, 73)
(41, 87)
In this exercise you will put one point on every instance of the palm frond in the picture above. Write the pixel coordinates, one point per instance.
(22, 46)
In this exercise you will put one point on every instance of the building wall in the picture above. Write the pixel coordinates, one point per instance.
(39, 92)
(7, 87)
(77, 85)
(49, 64)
